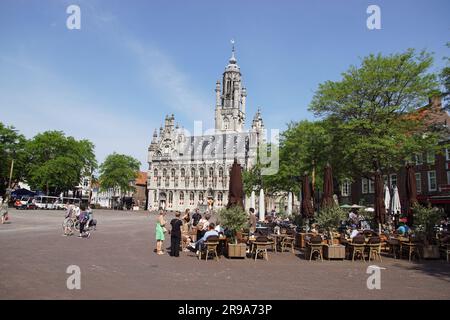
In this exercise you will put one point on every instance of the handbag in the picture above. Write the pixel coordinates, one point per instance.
(164, 229)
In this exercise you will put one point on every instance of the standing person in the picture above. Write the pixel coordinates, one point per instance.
(160, 232)
(175, 235)
(196, 217)
(68, 221)
(4, 209)
(252, 221)
(83, 219)
(185, 237)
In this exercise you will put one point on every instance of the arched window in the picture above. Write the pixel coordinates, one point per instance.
(220, 199)
(200, 197)
(155, 174)
(181, 198)
(166, 150)
(202, 172)
(183, 172)
(220, 172)
(164, 173)
(191, 199)
(172, 173)
(192, 172)
(170, 199)
(211, 172)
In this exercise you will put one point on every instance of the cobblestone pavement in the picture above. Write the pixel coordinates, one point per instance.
(118, 262)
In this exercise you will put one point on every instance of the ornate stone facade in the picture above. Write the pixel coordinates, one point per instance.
(193, 171)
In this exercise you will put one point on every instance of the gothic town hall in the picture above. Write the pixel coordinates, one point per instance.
(193, 171)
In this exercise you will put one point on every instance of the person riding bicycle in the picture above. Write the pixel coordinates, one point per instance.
(83, 218)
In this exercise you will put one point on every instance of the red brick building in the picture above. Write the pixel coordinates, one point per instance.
(140, 193)
(432, 172)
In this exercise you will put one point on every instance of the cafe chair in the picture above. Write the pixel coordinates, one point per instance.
(287, 242)
(411, 248)
(374, 247)
(315, 246)
(210, 247)
(357, 247)
(261, 245)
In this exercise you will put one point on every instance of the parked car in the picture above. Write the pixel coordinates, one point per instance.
(21, 204)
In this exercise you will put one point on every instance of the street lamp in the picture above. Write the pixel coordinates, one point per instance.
(11, 171)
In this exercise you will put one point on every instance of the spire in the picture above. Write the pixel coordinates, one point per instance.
(233, 58)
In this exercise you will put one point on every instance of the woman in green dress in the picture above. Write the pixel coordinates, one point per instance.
(160, 232)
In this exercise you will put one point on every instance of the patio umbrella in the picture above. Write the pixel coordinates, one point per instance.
(262, 208)
(327, 197)
(411, 192)
(387, 198)
(380, 209)
(396, 207)
(289, 205)
(306, 205)
(236, 190)
(252, 200)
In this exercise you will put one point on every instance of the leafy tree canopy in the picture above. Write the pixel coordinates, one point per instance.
(117, 171)
(57, 163)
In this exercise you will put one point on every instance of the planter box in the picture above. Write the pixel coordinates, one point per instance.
(430, 252)
(334, 252)
(237, 250)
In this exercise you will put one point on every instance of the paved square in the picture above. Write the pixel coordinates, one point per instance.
(118, 262)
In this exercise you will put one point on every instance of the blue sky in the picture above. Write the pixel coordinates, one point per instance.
(134, 61)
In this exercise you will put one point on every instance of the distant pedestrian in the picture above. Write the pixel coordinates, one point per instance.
(4, 210)
(175, 235)
(69, 220)
(160, 230)
(196, 217)
(82, 218)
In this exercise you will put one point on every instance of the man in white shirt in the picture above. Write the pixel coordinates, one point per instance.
(210, 232)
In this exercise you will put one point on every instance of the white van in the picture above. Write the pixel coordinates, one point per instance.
(45, 202)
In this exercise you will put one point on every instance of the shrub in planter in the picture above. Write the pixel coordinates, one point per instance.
(329, 218)
(235, 219)
(425, 219)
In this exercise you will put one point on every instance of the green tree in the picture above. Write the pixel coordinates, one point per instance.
(235, 219)
(11, 148)
(117, 171)
(57, 163)
(372, 112)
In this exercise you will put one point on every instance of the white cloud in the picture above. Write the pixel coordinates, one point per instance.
(171, 83)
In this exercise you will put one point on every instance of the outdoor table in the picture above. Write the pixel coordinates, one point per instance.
(223, 246)
(278, 238)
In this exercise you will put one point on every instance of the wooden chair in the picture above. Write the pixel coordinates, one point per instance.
(315, 246)
(287, 242)
(210, 247)
(261, 245)
(411, 248)
(374, 246)
(357, 247)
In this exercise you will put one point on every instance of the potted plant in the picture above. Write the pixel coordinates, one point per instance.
(234, 219)
(425, 219)
(329, 218)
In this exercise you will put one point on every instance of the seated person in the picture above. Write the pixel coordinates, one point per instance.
(403, 230)
(211, 232)
(354, 233)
